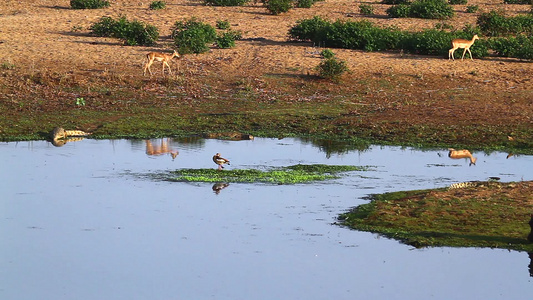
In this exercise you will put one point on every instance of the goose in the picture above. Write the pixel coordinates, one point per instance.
(220, 161)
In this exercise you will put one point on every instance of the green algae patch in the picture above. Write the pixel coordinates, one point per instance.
(493, 215)
(283, 175)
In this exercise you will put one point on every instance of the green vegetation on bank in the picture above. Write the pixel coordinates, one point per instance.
(131, 32)
(89, 4)
(364, 35)
(425, 9)
(285, 175)
(495, 215)
(156, 5)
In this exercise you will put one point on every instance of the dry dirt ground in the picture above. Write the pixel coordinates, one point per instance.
(48, 37)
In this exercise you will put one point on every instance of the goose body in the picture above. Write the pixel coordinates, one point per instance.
(220, 161)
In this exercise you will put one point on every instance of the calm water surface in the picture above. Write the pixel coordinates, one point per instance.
(77, 222)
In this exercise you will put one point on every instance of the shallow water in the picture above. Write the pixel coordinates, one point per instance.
(78, 223)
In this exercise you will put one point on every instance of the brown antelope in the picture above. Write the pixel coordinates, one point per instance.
(461, 43)
(159, 150)
(220, 161)
(456, 154)
(158, 56)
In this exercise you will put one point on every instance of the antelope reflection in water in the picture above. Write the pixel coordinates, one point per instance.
(217, 187)
(456, 154)
(161, 149)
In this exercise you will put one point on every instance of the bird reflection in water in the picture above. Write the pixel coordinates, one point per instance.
(217, 187)
(456, 154)
(161, 149)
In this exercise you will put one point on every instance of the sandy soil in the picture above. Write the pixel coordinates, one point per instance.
(47, 36)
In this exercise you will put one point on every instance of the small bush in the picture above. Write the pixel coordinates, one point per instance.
(472, 9)
(309, 30)
(326, 53)
(425, 9)
(277, 7)
(331, 68)
(366, 9)
(305, 3)
(226, 2)
(458, 2)
(193, 36)
(223, 25)
(520, 46)
(395, 2)
(496, 24)
(89, 4)
(227, 39)
(399, 11)
(133, 33)
(155, 5)
(139, 33)
(431, 9)
(517, 2)
(105, 27)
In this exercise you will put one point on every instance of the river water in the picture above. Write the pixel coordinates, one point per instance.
(78, 222)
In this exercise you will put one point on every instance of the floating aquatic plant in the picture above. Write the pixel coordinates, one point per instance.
(283, 175)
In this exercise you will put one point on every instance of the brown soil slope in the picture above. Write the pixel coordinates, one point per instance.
(44, 44)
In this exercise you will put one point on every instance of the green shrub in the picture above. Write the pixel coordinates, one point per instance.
(360, 35)
(428, 42)
(331, 68)
(496, 24)
(326, 53)
(226, 2)
(158, 5)
(138, 33)
(227, 39)
(277, 7)
(366, 9)
(425, 9)
(399, 11)
(520, 46)
(133, 33)
(472, 9)
(458, 2)
(309, 30)
(305, 3)
(431, 9)
(193, 36)
(88, 4)
(223, 25)
(366, 36)
(105, 27)
(517, 2)
(395, 2)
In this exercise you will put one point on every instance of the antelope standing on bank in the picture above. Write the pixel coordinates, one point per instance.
(162, 57)
(461, 43)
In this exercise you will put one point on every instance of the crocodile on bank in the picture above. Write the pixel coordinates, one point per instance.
(60, 136)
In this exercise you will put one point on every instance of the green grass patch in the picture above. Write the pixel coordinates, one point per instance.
(284, 175)
(495, 215)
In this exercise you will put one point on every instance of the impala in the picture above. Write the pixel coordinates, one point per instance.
(158, 56)
(461, 43)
